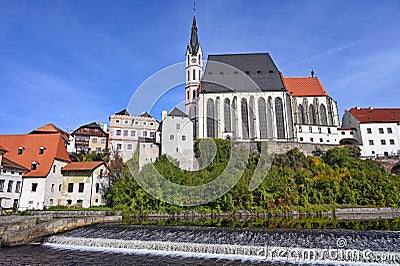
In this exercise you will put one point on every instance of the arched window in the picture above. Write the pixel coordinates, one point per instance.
(234, 117)
(330, 113)
(245, 118)
(300, 115)
(216, 116)
(262, 114)
(227, 115)
(188, 75)
(322, 113)
(187, 95)
(280, 123)
(311, 114)
(194, 94)
(199, 58)
(252, 117)
(194, 74)
(210, 119)
(199, 74)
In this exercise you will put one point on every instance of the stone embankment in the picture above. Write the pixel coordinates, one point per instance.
(19, 230)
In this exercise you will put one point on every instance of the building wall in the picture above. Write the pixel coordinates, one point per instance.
(54, 185)
(92, 185)
(236, 115)
(177, 140)
(10, 197)
(125, 131)
(32, 199)
(148, 153)
(97, 143)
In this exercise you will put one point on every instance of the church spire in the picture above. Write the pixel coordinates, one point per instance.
(193, 45)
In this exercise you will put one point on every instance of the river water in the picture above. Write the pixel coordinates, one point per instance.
(117, 244)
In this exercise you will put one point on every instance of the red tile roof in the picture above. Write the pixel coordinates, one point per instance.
(2, 148)
(81, 166)
(376, 115)
(8, 163)
(31, 144)
(304, 86)
(51, 128)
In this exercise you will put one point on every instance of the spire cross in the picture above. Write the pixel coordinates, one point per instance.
(194, 7)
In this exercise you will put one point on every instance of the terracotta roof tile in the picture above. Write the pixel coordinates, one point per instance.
(31, 144)
(8, 163)
(81, 166)
(51, 128)
(304, 86)
(376, 115)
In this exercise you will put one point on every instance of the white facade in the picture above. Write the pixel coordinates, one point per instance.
(83, 188)
(125, 131)
(226, 116)
(177, 138)
(10, 187)
(377, 139)
(148, 152)
(38, 192)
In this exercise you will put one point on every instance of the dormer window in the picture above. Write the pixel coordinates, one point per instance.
(20, 150)
(41, 150)
(34, 165)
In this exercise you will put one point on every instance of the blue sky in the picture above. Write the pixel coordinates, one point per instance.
(73, 62)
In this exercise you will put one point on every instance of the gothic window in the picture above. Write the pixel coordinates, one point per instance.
(210, 119)
(227, 115)
(311, 114)
(262, 114)
(300, 115)
(194, 74)
(245, 118)
(252, 118)
(322, 112)
(194, 94)
(199, 74)
(216, 116)
(270, 126)
(280, 124)
(234, 116)
(199, 58)
(188, 76)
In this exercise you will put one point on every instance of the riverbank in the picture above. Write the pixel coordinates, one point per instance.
(19, 230)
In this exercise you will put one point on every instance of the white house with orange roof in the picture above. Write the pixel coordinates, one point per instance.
(83, 183)
(377, 130)
(43, 155)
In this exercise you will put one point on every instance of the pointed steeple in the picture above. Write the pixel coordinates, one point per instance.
(193, 45)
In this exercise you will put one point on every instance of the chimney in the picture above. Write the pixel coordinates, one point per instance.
(163, 115)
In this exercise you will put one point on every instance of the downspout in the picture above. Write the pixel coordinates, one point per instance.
(91, 190)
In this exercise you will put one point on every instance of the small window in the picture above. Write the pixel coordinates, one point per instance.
(41, 150)
(2, 185)
(247, 72)
(52, 188)
(10, 185)
(369, 131)
(4, 171)
(381, 131)
(133, 133)
(18, 187)
(20, 173)
(151, 123)
(152, 134)
(20, 150)
(183, 137)
(97, 187)
(171, 137)
(235, 73)
(119, 146)
(389, 130)
(70, 187)
(12, 172)
(144, 123)
(103, 141)
(118, 132)
(371, 142)
(391, 142)
(144, 133)
(54, 168)
(329, 130)
(177, 149)
(383, 142)
(373, 152)
(30, 202)
(81, 187)
(98, 149)
(221, 73)
(34, 187)
(125, 133)
(270, 71)
(310, 129)
(178, 126)
(351, 133)
(312, 139)
(69, 202)
(301, 138)
(126, 122)
(258, 71)
(94, 140)
(343, 133)
(319, 130)
(117, 121)
(209, 73)
(300, 130)
(129, 146)
(321, 140)
(34, 165)
(59, 187)
(136, 123)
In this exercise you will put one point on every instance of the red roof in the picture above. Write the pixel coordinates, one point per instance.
(8, 163)
(31, 144)
(2, 148)
(376, 115)
(304, 86)
(81, 166)
(51, 128)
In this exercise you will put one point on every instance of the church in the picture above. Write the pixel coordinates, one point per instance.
(244, 97)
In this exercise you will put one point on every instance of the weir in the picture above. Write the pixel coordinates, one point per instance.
(332, 246)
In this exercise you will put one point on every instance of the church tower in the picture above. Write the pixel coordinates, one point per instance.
(194, 71)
